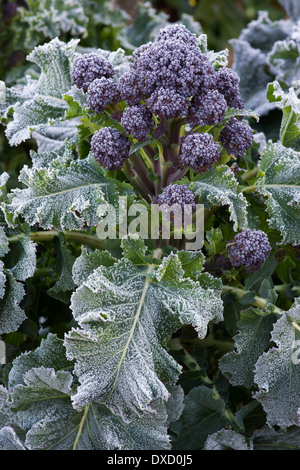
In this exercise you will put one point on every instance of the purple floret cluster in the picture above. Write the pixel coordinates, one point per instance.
(168, 104)
(227, 83)
(198, 151)
(249, 249)
(236, 137)
(169, 78)
(176, 194)
(110, 148)
(137, 121)
(183, 201)
(171, 66)
(102, 92)
(207, 109)
(88, 67)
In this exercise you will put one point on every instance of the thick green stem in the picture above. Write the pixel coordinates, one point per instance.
(249, 189)
(76, 237)
(248, 175)
(258, 302)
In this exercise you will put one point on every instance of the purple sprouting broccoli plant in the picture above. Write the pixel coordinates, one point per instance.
(249, 249)
(163, 127)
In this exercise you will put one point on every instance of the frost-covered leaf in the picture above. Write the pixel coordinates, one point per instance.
(48, 19)
(41, 385)
(292, 8)
(251, 60)
(203, 415)
(250, 64)
(218, 187)
(277, 372)
(268, 438)
(40, 102)
(21, 260)
(281, 188)
(284, 58)
(54, 137)
(252, 340)
(290, 105)
(226, 439)
(145, 27)
(64, 264)
(11, 314)
(127, 313)
(65, 194)
(9, 439)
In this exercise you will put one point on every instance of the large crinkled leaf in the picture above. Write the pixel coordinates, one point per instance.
(203, 415)
(277, 373)
(290, 104)
(40, 102)
(52, 18)
(11, 314)
(268, 438)
(218, 187)
(54, 137)
(65, 194)
(251, 61)
(285, 58)
(281, 187)
(252, 340)
(41, 384)
(126, 315)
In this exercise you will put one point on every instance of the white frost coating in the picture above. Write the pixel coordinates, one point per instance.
(124, 319)
(41, 102)
(219, 187)
(277, 372)
(9, 439)
(11, 314)
(2, 280)
(281, 187)
(67, 194)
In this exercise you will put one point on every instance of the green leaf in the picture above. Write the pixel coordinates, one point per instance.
(226, 439)
(126, 315)
(203, 415)
(218, 187)
(64, 264)
(281, 188)
(65, 194)
(268, 438)
(51, 18)
(290, 105)
(277, 372)
(9, 439)
(251, 341)
(40, 102)
(40, 391)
